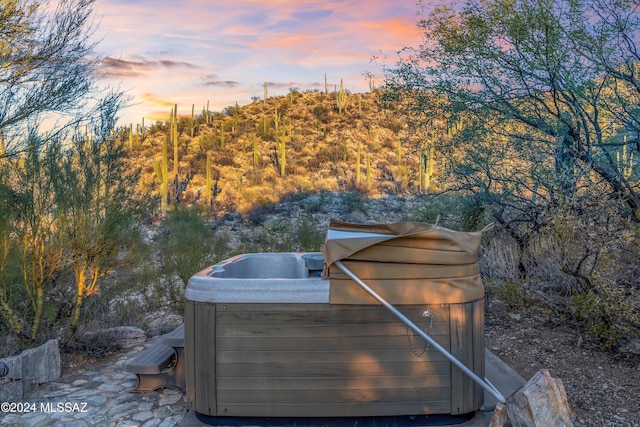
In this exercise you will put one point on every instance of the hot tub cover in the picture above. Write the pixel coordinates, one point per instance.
(405, 262)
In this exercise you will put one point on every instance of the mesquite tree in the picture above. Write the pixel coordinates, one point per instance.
(540, 96)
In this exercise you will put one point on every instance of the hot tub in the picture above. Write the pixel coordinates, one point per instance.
(263, 340)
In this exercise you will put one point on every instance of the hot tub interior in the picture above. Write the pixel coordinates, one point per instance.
(270, 265)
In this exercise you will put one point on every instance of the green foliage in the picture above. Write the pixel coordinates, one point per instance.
(552, 140)
(310, 236)
(513, 293)
(609, 313)
(188, 244)
(353, 202)
(77, 220)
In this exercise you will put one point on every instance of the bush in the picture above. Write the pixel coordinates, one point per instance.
(187, 243)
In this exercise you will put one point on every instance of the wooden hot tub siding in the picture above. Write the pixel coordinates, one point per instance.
(280, 360)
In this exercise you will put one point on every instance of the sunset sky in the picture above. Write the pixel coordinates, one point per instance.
(223, 51)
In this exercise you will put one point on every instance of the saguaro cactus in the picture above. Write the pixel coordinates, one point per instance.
(266, 94)
(625, 161)
(162, 172)
(368, 171)
(256, 154)
(142, 131)
(174, 138)
(193, 119)
(221, 135)
(276, 120)
(358, 162)
(281, 150)
(207, 115)
(208, 182)
(426, 167)
(341, 98)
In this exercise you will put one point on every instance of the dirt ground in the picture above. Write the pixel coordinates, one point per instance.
(603, 387)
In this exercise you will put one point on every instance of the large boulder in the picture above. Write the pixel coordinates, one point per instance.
(21, 374)
(541, 402)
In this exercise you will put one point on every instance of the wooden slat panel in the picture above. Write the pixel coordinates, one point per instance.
(378, 382)
(462, 387)
(205, 358)
(239, 314)
(323, 410)
(365, 369)
(322, 356)
(478, 350)
(302, 330)
(189, 313)
(336, 396)
(277, 356)
(356, 343)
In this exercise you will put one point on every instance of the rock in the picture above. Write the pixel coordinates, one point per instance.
(42, 363)
(163, 323)
(500, 416)
(23, 372)
(119, 337)
(630, 346)
(550, 287)
(541, 402)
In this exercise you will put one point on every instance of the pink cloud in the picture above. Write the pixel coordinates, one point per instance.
(224, 51)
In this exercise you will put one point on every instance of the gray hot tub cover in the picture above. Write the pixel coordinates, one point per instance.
(405, 262)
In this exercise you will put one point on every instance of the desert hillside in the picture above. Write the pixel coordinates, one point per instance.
(303, 142)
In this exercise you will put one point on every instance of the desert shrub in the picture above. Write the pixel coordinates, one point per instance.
(322, 113)
(513, 293)
(187, 243)
(582, 263)
(608, 312)
(309, 235)
(352, 201)
(499, 258)
(208, 141)
(317, 203)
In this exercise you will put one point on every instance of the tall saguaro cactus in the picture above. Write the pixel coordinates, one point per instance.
(280, 142)
(208, 182)
(426, 167)
(142, 131)
(625, 161)
(174, 136)
(207, 115)
(341, 98)
(368, 171)
(266, 94)
(256, 154)
(358, 162)
(162, 172)
(193, 119)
